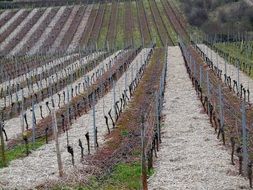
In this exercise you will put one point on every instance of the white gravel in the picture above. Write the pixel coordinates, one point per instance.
(4, 14)
(41, 165)
(21, 44)
(10, 22)
(18, 29)
(190, 156)
(58, 40)
(78, 35)
(47, 31)
(34, 88)
(32, 73)
(231, 69)
(12, 129)
(37, 70)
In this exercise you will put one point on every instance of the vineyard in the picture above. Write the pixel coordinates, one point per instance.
(119, 95)
(57, 30)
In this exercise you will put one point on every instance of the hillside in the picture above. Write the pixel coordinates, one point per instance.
(119, 95)
(219, 16)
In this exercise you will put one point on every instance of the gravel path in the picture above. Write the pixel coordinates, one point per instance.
(37, 70)
(41, 166)
(190, 156)
(60, 74)
(32, 73)
(5, 27)
(18, 29)
(21, 44)
(46, 33)
(244, 79)
(12, 129)
(65, 28)
(78, 35)
(4, 14)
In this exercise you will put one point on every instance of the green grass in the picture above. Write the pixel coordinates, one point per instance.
(19, 151)
(120, 37)
(104, 29)
(136, 30)
(125, 176)
(177, 4)
(168, 25)
(236, 50)
(120, 27)
(151, 23)
(124, 133)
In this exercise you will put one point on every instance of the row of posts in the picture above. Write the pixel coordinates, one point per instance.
(147, 152)
(54, 123)
(242, 150)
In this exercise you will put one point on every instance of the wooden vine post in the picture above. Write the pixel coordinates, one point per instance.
(2, 146)
(238, 76)
(33, 124)
(244, 140)
(55, 129)
(143, 160)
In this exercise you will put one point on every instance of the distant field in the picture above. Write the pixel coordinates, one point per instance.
(145, 26)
